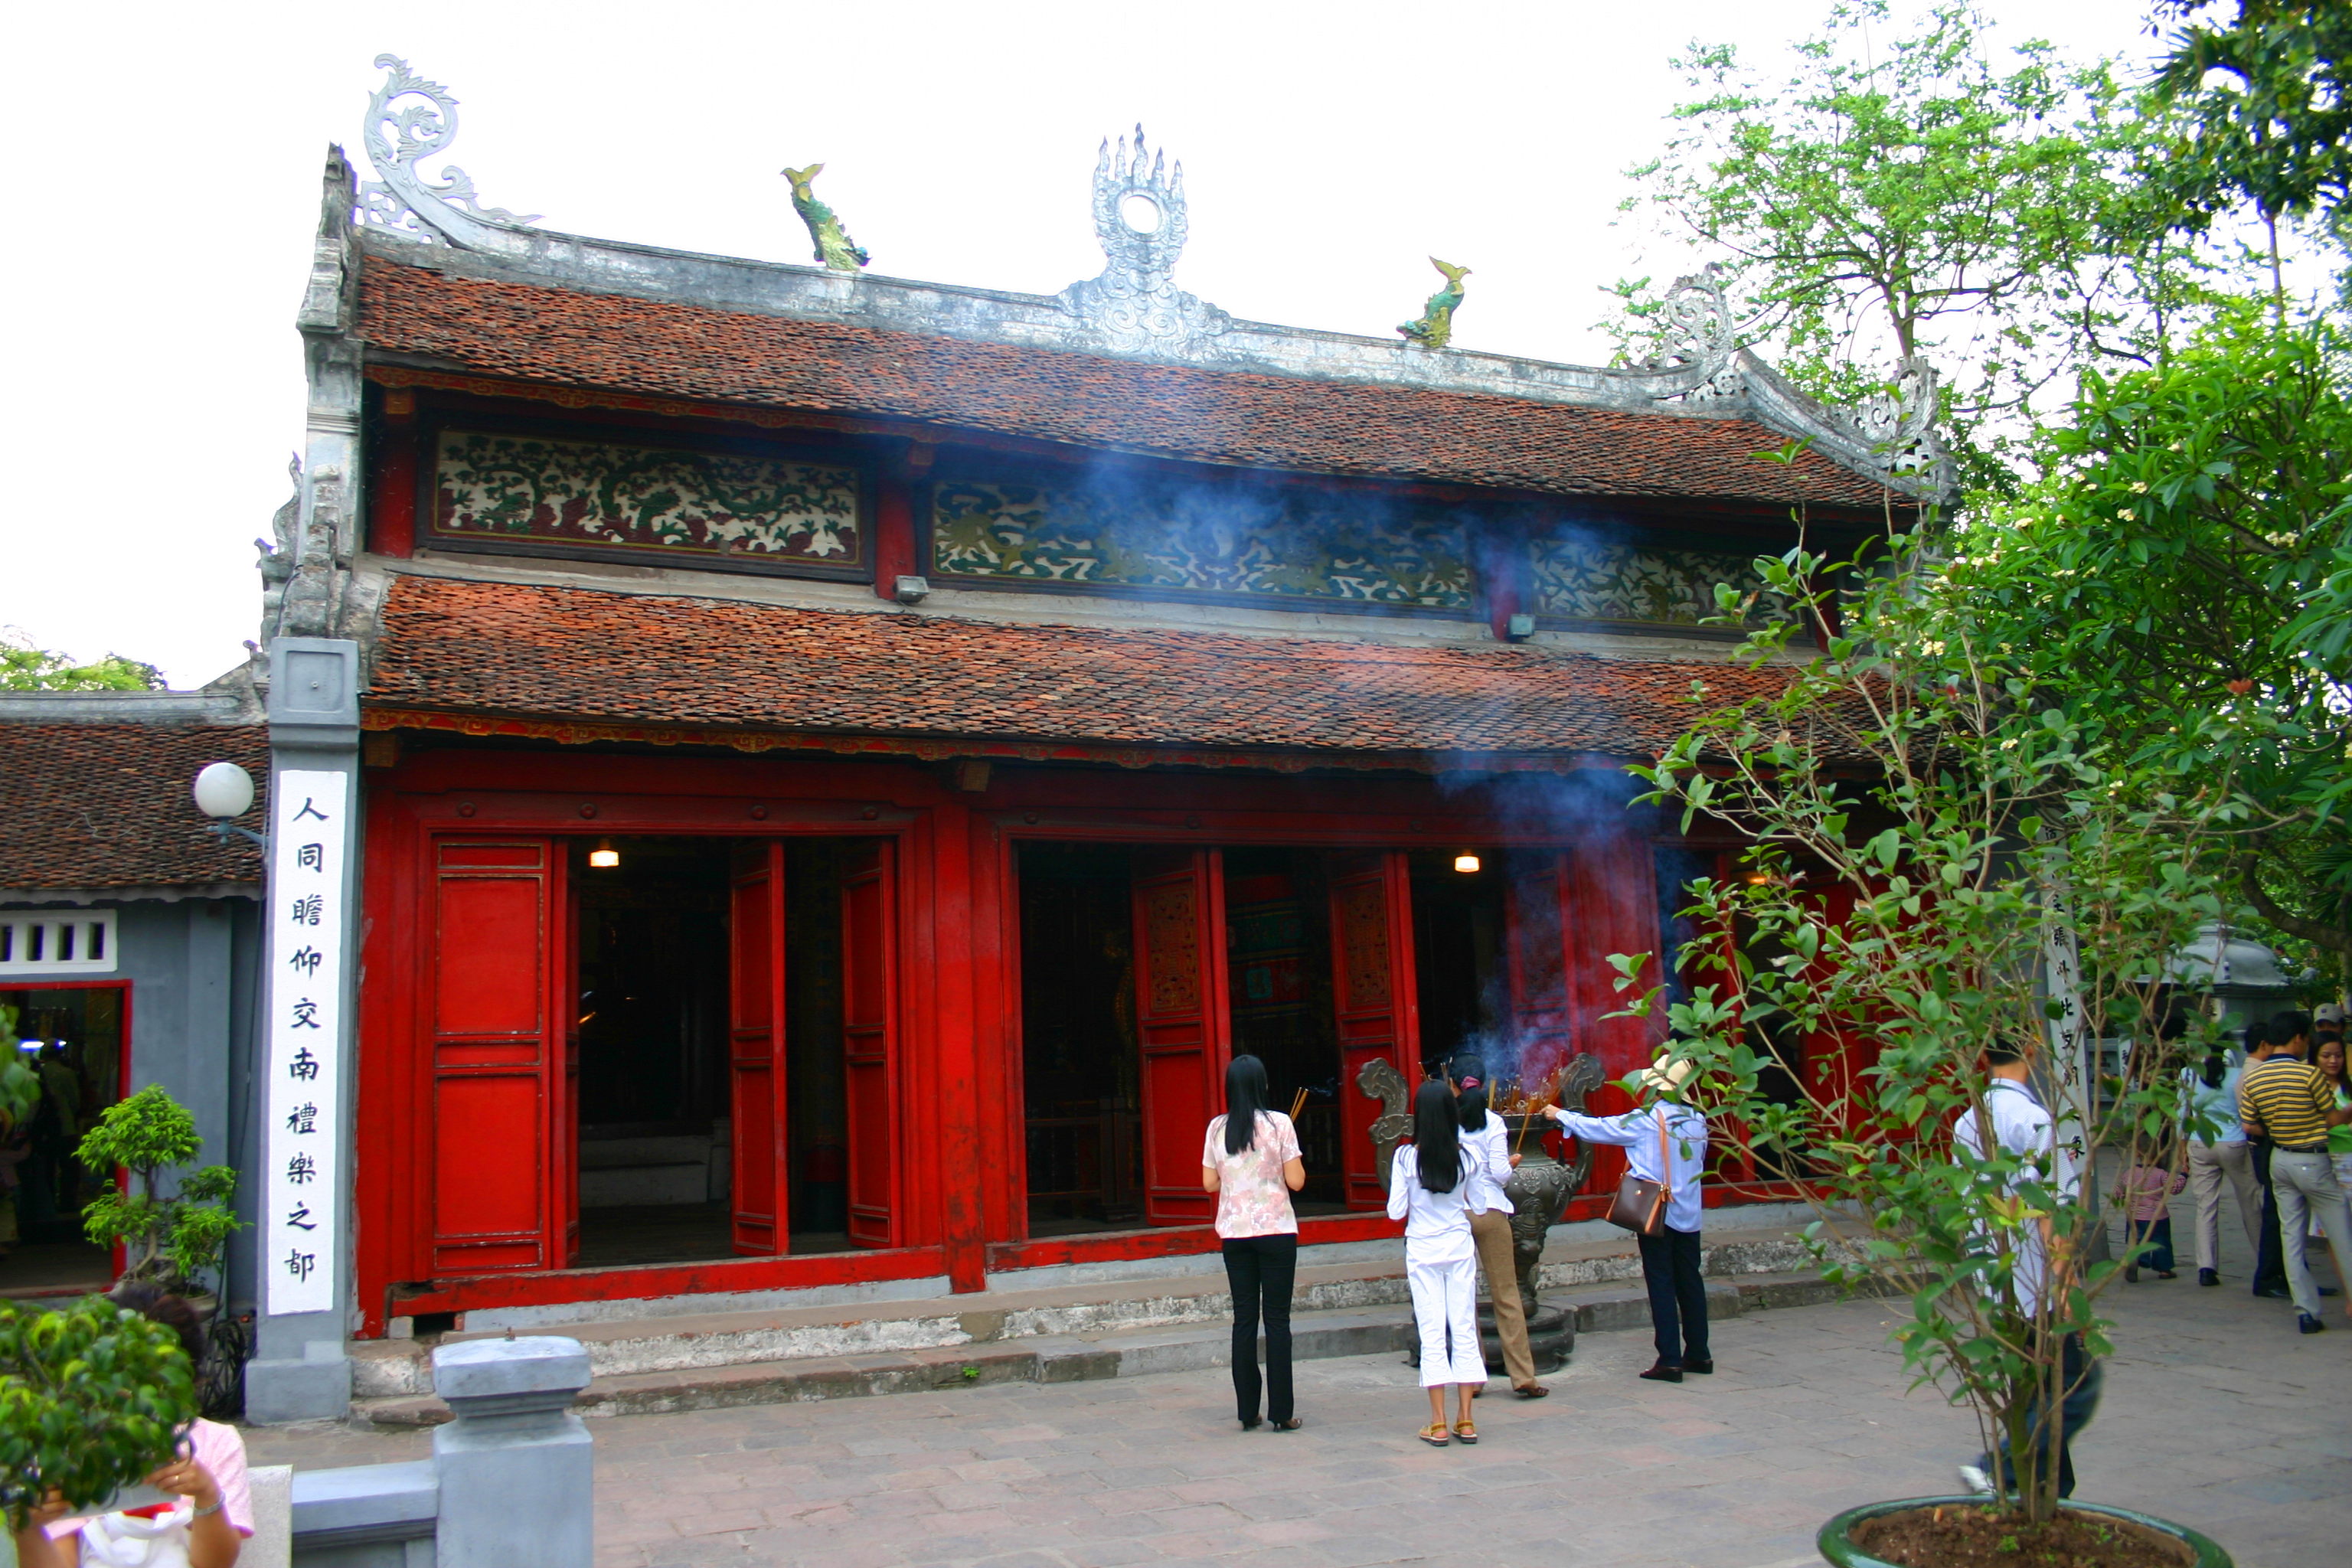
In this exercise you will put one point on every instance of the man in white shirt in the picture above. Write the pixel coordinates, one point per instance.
(2023, 1130)
(1670, 1259)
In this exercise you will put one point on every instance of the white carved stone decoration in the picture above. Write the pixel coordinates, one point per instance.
(399, 140)
(1135, 307)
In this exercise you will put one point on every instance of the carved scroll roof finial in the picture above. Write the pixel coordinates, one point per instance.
(398, 141)
(1135, 307)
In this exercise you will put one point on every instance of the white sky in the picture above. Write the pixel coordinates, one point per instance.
(168, 156)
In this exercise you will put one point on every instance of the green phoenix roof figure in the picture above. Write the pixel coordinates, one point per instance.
(1435, 327)
(833, 246)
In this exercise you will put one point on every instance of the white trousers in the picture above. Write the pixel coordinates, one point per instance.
(1445, 1308)
(2210, 1165)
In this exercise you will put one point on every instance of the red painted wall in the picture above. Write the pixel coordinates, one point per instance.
(957, 1158)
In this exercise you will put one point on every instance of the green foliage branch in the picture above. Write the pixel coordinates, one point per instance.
(2177, 579)
(25, 667)
(171, 1241)
(93, 1399)
(1921, 834)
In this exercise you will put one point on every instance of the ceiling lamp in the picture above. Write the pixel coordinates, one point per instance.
(1465, 863)
(604, 857)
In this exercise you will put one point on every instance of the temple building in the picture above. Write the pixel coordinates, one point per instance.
(788, 778)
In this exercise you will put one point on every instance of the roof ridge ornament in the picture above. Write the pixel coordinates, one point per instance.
(833, 246)
(1135, 307)
(398, 141)
(1434, 328)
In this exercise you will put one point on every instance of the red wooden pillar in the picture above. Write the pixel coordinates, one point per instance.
(1180, 1013)
(902, 483)
(955, 1163)
(391, 500)
(1373, 999)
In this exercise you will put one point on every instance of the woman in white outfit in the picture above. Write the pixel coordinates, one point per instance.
(1432, 1190)
(1486, 1144)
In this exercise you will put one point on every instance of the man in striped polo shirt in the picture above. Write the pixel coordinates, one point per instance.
(2287, 1099)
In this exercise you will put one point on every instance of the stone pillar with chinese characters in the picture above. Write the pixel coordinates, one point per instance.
(300, 1371)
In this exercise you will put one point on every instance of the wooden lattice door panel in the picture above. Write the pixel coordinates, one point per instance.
(1539, 917)
(869, 992)
(504, 1187)
(759, 1223)
(1180, 1016)
(1372, 1000)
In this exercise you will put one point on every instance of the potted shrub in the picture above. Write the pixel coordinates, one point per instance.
(91, 1399)
(1935, 859)
(176, 1242)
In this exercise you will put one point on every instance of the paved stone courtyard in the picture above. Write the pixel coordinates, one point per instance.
(2217, 1415)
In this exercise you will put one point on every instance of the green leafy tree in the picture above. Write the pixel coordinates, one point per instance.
(171, 1241)
(1906, 194)
(1922, 831)
(2177, 579)
(2263, 105)
(91, 1399)
(25, 667)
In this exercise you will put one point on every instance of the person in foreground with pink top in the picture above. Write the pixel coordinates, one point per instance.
(206, 1525)
(1250, 1162)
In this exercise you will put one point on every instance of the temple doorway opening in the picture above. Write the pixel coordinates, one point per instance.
(72, 1037)
(1081, 1054)
(1460, 955)
(1278, 978)
(664, 1057)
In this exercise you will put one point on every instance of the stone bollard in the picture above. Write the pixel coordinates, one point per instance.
(515, 1463)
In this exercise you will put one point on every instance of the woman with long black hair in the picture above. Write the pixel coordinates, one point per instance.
(1433, 1190)
(1250, 1162)
(1486, 1148)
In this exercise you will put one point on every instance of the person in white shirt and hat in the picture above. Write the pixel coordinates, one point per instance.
(1664, 1139)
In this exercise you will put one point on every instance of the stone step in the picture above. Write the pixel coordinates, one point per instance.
(1315, 1335)
(396, 1369)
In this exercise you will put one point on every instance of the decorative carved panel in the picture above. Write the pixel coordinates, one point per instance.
(1581, 578)
(1152, 531)
(1172, 930)
(493, 487)
(1363, 913)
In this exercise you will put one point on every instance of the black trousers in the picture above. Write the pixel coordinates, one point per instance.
(1260, 1269)
(1677, 1294)
(2269, 1257)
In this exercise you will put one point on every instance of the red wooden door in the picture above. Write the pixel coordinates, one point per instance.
(755, 1050)
(869, 1039)
(1372, 996)
(1180, 1007)
(501, 1001)
(564, 966)
(1543, 971)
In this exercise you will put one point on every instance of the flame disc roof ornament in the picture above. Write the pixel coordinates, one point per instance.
(1135, 307)
(398, 141)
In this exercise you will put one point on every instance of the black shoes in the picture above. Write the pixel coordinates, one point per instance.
(2305, 1324)
(1703, 1365)
(1661, 1373)
(2131, 1273)
(2209, 1277)
(2274, 1293)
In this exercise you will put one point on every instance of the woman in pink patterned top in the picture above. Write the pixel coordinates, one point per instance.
(2147, 1188)
(1250, 1160)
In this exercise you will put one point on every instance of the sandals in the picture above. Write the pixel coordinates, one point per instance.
(1293, 1425)
(1434, 1435)
(1530, 1391)
(1464, 1432)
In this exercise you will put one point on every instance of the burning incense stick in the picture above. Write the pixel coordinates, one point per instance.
(1534, 1106)
(1297, 1104)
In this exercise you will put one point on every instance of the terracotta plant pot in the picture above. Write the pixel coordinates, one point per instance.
(1836, 1539)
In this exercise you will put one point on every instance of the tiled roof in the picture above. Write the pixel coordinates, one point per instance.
(106, 806)
(570, 337)
(591, 656)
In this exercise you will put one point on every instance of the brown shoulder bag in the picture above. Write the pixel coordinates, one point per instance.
(1641, 1204)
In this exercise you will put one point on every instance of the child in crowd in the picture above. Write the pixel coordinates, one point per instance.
(2146, 1189)
(1432, 1190)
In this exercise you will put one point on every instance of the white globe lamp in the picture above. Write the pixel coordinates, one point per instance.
(223, 790)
